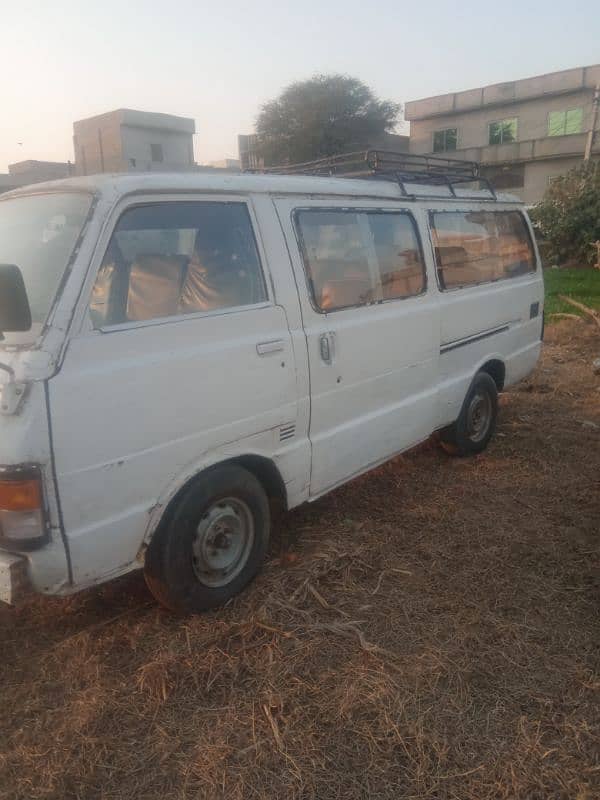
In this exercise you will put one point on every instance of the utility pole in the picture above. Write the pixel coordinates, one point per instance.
(590, 137)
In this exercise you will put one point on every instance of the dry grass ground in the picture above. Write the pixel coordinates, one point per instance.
(434, 633)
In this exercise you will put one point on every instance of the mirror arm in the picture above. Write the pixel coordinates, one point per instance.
(10, 371)
(11, 393)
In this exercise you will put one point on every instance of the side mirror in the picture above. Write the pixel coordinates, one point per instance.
(15, 314)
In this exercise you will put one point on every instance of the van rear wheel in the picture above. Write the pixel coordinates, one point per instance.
(213, 543)
(476, 423)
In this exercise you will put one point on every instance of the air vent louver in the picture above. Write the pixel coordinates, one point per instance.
(287, 431)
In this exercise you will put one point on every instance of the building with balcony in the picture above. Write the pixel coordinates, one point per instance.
(524, 133)
(133, 141)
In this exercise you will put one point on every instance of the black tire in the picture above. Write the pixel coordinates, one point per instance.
(184, 566)
(465, 436)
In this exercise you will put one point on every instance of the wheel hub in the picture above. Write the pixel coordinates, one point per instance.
(223, 541)
(479, 417)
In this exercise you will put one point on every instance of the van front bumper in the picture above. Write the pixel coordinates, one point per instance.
(14, 580)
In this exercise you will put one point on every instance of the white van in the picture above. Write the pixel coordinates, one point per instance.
(180, 349)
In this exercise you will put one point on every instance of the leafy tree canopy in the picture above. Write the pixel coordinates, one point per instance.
(568, 217)
(322, 116)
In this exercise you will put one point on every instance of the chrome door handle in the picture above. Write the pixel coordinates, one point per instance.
(264, 348)
(326, 346)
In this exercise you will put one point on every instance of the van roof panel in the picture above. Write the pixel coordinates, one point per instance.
(126, 183)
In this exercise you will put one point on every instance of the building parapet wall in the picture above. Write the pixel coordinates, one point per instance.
(531, 150)
(498, 94)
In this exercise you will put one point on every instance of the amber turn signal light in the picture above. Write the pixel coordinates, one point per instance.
(20, 495)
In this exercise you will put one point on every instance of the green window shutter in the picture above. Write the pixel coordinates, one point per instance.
(556, 123)
(574, 120)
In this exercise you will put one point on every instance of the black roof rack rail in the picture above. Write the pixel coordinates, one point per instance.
(403, 168)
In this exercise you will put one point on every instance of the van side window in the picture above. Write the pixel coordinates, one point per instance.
(399, 257)
(354, 258)
(168, 259)
(474, 247)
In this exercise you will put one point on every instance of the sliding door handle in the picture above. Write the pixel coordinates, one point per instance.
(327, 346)
(264, 348)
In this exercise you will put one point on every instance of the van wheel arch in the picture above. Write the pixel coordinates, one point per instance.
(267, 473)
(496, 369)
(476, 423)
(263, 469)
(213, 542)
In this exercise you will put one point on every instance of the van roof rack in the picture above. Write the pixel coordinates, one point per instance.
(403, 168)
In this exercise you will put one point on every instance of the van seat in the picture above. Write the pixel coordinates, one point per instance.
(210, 286)
(155, 283)
(404, 282)
(350, 291)
(450, 255)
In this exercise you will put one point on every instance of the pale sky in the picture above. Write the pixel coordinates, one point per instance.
(61, 60)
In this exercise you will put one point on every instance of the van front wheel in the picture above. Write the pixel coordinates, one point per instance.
(213, 544)
(476, 423)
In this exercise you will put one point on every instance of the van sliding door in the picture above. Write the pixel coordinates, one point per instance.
(372, 329)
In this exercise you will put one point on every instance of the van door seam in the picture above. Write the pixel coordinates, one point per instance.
(61, 522)
(304, 333)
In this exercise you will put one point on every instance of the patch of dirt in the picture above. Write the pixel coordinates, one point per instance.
(433, 632)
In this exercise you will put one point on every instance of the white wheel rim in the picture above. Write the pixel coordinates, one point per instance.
(479, 416)
(223, 542)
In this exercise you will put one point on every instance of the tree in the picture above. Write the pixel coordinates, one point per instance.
(568, 216)
(322, 116)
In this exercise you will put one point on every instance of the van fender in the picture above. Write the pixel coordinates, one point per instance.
(454, 388)
(480, 365)
(492, 363)
(193, 470)
(495, 365)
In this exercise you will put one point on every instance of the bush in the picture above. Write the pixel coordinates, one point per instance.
(568, 216)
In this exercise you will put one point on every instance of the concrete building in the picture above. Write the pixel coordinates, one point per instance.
(524, 132)
(22, 173)
(133, 141)
(250, 158)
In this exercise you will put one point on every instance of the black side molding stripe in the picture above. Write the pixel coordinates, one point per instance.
(445, 348)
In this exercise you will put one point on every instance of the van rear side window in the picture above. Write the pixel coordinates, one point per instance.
(474, 247)
(354, 258)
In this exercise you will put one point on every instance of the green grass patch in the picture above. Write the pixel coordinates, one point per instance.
(580, 284)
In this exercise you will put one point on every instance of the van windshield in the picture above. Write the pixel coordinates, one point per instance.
(38, 233)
